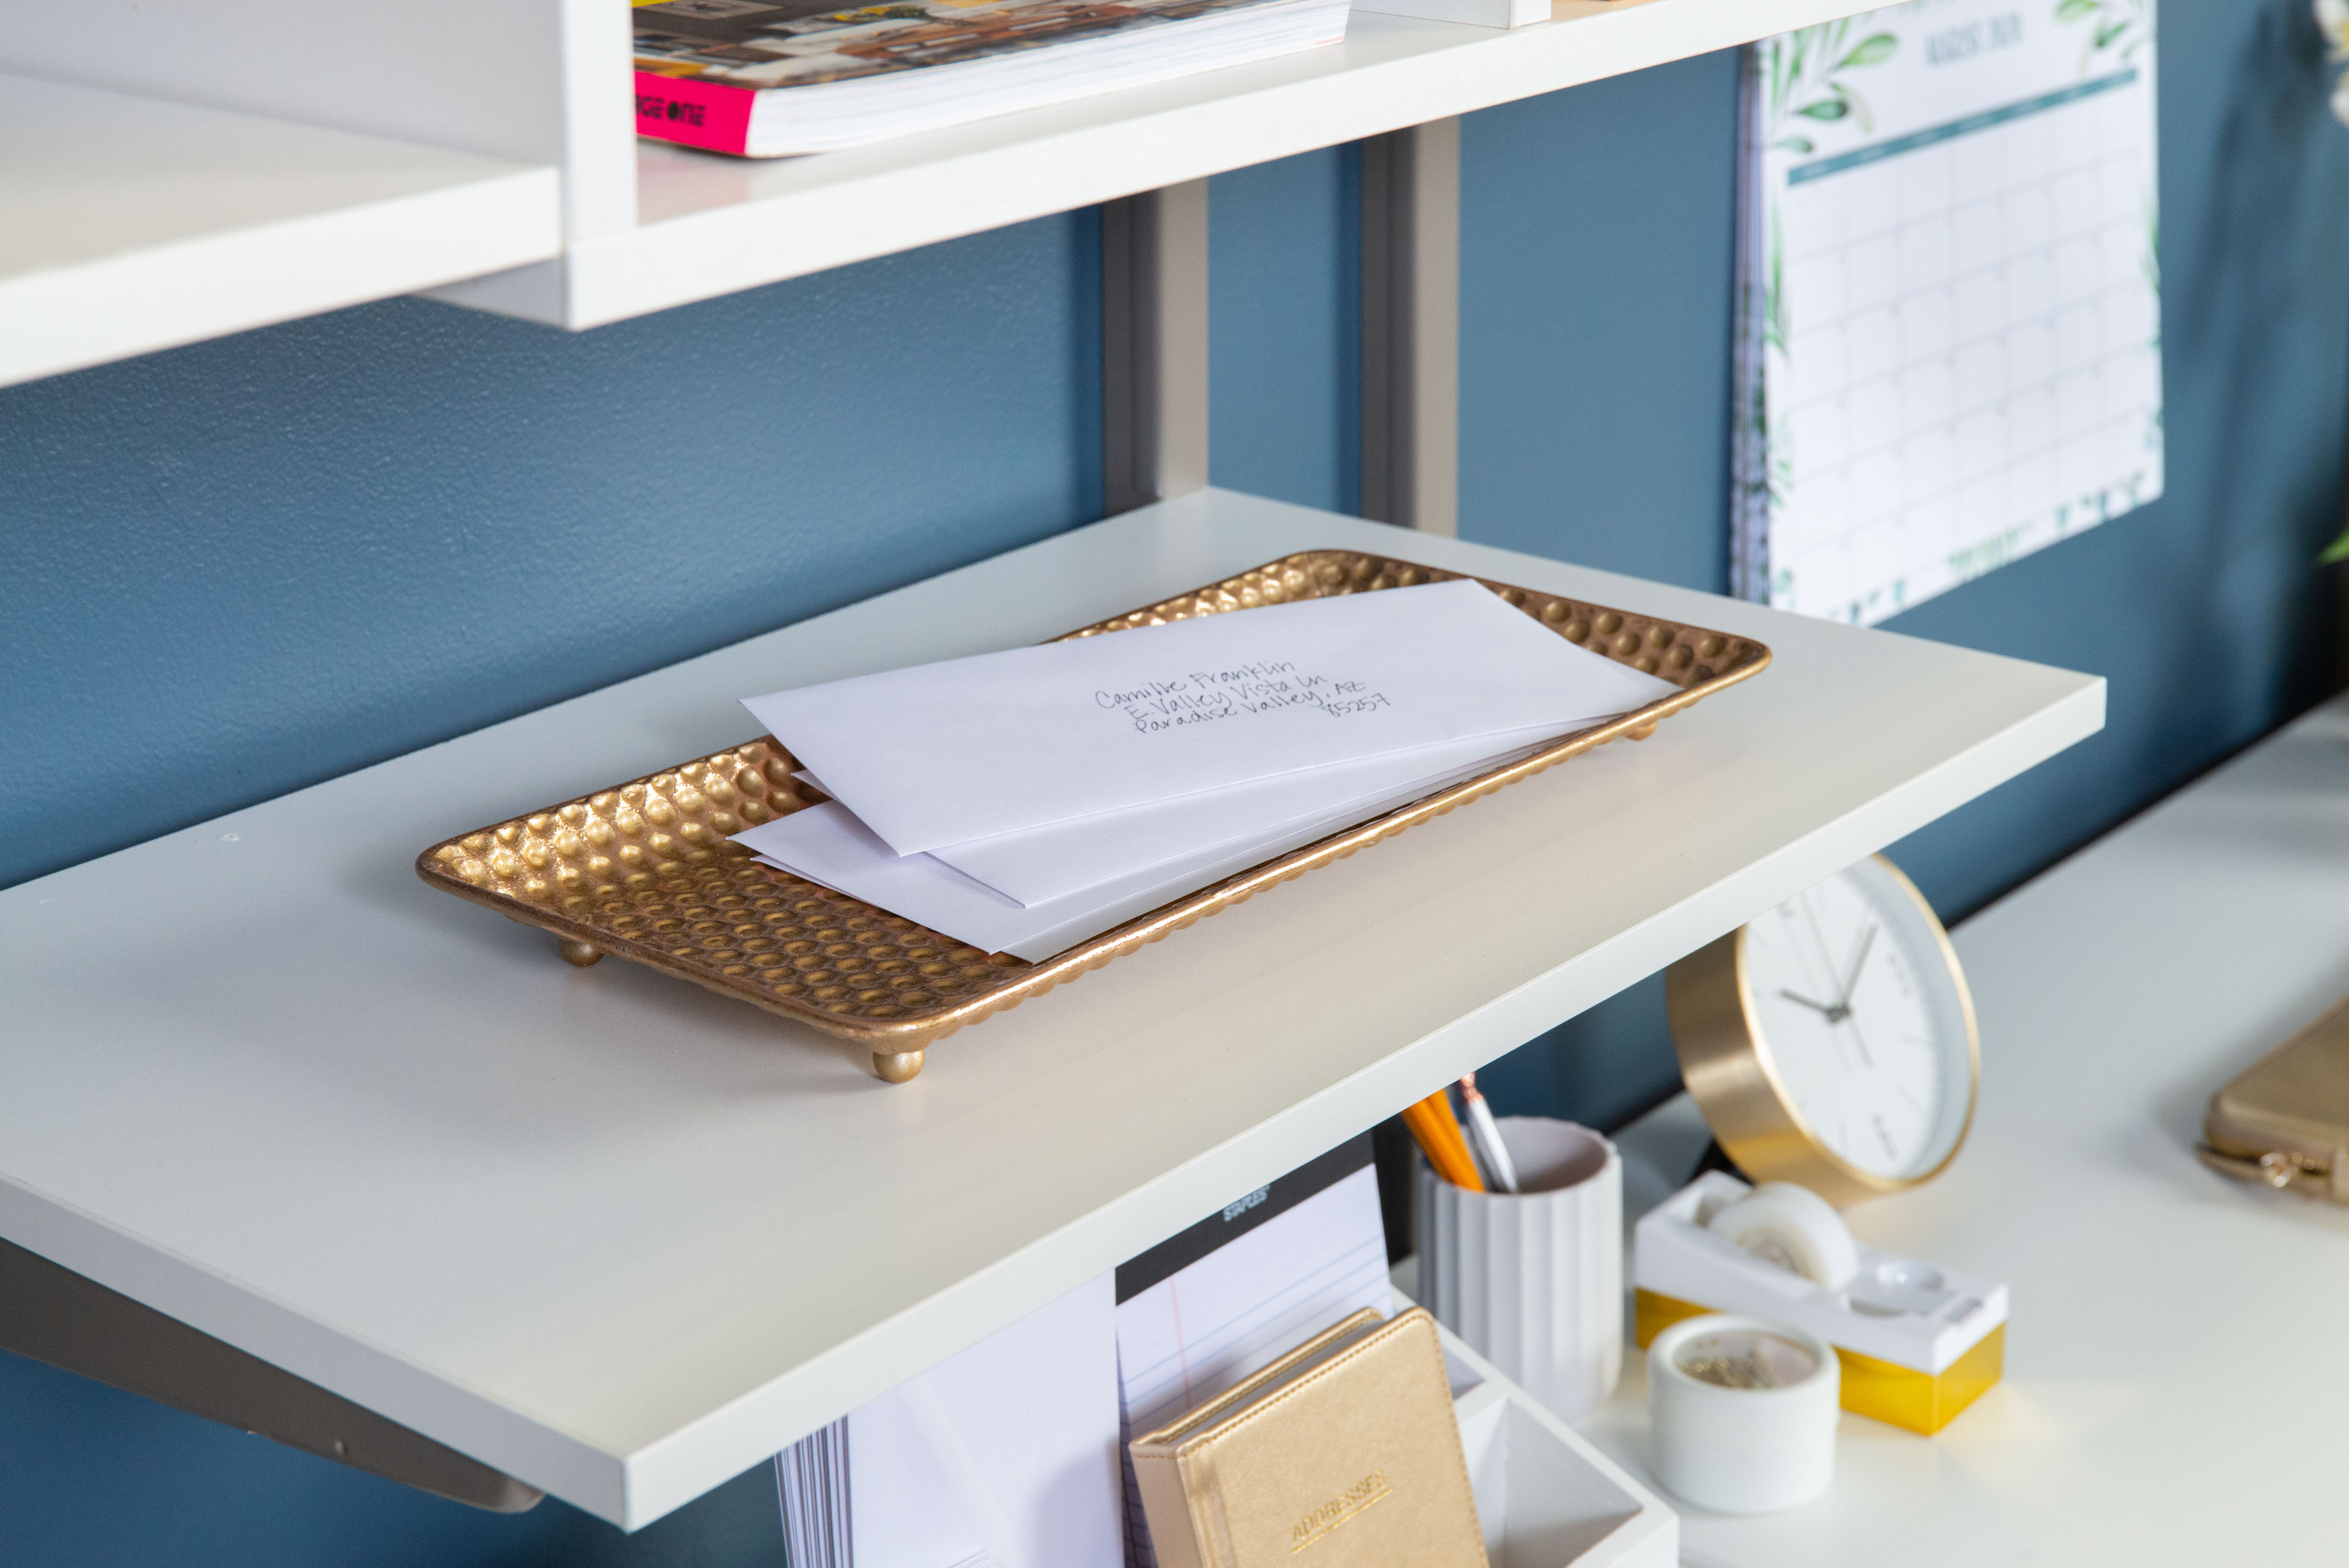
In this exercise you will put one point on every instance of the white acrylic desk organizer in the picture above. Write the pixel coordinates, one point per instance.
(1545, 1497)
(1918, 1342)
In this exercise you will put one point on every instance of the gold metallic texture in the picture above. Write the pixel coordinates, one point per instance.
(646, 871)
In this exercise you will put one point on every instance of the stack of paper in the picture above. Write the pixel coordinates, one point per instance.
(1234, 1292)
(1004, 1456)
(1024, 801)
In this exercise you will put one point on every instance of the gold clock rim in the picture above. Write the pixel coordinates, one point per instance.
(1726, 1065)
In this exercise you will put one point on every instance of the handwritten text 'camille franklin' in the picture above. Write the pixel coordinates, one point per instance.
(1202, 696)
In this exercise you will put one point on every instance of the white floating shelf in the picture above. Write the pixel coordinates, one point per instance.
(623, 1239)
(128, 225)
(708, 225)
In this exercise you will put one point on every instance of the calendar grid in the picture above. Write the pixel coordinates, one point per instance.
(1950, 353)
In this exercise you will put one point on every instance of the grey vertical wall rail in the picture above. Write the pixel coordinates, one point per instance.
(1153, 346)
(1410, 327)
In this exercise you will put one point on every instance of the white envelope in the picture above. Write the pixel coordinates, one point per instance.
(1091, 854)
(1038, 865)
(943, 753)
(827, 846)
(1006, 1453)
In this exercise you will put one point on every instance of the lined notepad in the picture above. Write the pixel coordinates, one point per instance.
(1230, 1308)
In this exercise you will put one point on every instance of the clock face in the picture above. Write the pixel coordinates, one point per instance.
(1863, 1023)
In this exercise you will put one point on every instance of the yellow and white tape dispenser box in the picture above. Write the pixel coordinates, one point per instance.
(1917, 1343)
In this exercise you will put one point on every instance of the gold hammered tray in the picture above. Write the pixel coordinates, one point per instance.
(646, 870)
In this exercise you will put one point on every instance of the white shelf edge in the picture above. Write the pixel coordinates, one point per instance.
(203, 1249)
(144, 225)
(714, 225)
(663, 1476)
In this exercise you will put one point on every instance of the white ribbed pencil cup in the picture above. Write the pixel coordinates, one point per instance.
(1534, 1281)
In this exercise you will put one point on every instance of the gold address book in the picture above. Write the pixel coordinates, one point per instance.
(1344, 1453)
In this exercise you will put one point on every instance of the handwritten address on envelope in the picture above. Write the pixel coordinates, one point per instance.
(942, 753)
(1205, 695)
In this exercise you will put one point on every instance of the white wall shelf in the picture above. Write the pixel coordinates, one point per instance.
(128, 225)
(708, 225)
(133, 224)
(623, 1239)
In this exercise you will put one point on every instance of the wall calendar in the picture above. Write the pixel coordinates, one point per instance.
(1949, 352)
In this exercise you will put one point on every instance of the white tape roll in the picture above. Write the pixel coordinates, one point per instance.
(1793, 1228)
(1743, 1413)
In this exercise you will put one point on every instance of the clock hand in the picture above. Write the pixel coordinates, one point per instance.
(1820, 1008)
(1842, 1014)
(1818, 941)
(1858, 961)
(1837, 1013)
(1867, 1058)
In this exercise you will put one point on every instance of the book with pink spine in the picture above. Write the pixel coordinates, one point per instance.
(760, 78)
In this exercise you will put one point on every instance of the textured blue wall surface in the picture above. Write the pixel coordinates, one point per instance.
(236, 568)
(2202, 610)
(1595, 319)
(250, 564)
(1285, 275)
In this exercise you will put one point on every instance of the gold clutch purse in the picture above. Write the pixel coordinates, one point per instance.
(1344, 1453)
(2284, 1120)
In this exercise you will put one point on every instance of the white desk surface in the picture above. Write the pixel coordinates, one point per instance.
(2177, 1362)
(623, 1238)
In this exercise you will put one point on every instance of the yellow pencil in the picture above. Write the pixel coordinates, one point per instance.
(1438, 1131)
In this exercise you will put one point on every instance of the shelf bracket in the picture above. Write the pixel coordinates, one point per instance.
(1410, 327)
(1153, 346)
(51, 1314)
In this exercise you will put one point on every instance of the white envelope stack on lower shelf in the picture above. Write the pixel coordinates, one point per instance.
(1012, 1453)
(1024, 801)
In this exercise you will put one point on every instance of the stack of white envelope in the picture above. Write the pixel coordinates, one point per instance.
(1024, 801)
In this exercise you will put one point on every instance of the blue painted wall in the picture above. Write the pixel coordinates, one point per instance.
(237, 567)
(1594, 417)
(1285, 276)
(259, 562)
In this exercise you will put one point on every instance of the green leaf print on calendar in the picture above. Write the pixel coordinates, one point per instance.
(1801, 77)
(2120, 29)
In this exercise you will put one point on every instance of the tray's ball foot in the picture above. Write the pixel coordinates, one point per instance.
(1642, 731)
(897, 1066)
(580, 953)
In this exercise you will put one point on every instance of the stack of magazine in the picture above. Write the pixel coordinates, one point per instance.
(764, 79)
(1024, 801)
